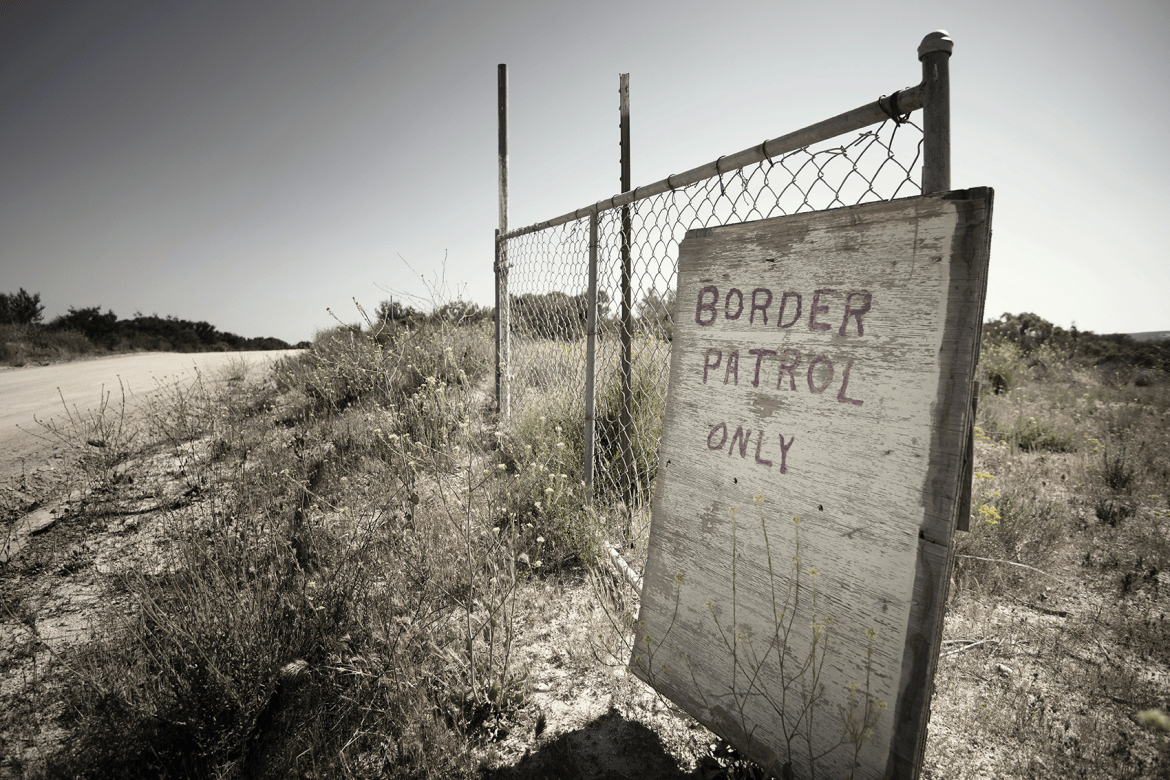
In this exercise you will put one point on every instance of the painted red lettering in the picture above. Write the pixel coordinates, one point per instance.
(784, 453)
(841, 397)
(762, 308)
(708, 365)
(742, 438)
(850, 311)
(759, 444)
(817, 308)
(783, 303)
(732, 367)
(760, 355)
(812, 388)
(723, 440)
(793, 358)
(727, 304)
(701, 307)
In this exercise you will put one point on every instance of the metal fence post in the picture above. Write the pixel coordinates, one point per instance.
(626, 418)
(654, 201)
(590, 357)
(935, 53)
(503, 302)
(502, 323)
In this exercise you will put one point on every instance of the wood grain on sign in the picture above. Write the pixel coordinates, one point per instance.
(821, 369)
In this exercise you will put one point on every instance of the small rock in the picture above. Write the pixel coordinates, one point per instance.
(542, 687)
(37, 522)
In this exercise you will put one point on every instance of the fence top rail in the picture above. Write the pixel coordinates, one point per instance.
(904, 101)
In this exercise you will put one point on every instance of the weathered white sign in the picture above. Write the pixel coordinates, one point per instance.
(809, 478)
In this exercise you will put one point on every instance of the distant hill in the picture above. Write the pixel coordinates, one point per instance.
(1029, 332)
(1151, 335)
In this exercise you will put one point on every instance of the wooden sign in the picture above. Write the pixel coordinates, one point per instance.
(810, 476)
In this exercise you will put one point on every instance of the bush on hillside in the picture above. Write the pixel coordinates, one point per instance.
(20, 308)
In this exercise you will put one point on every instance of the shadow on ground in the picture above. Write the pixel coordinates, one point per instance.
(607, 748)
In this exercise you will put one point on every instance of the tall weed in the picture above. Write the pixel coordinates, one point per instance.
(340, 598)
(100, 439)
(1012, 522)
(626, 461)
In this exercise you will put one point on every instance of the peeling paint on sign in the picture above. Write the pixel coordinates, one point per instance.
(809, 474)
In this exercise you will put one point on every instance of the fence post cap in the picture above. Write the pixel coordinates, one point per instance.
(939, 40)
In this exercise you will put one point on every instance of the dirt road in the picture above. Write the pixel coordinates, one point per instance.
(26, 393)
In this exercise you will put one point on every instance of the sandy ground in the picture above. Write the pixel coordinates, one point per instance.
(28, 393)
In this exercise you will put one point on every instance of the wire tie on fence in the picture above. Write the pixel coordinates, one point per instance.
(719, 176)
(891, 110)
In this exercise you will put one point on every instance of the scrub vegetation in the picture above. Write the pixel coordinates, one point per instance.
(25, 339)
(1056, 659)
(347, 568)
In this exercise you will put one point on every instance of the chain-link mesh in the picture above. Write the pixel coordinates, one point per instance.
(549, 277)
(548, 282)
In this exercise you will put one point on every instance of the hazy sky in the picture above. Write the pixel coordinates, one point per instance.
(252, 162)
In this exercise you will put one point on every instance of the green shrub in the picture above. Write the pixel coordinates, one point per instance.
(343, 366)
(10, 354)
(99, 439)
(1002, 366)
(1032, 435)
(1119, 448)
(346, 365)
(20, 344)
(212, 644)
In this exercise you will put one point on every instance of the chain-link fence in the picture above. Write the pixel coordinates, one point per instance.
(589, 302)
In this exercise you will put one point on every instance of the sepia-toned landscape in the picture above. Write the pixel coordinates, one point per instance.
(343, 567)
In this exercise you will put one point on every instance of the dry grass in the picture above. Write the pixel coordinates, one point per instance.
(311, 577)
(335, 585)
(1063, 579)
(345, 569)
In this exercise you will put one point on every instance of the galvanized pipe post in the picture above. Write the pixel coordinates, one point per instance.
(591, 357)
(626, 418)
(503, 301)
(935, 54)
(499, 320)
